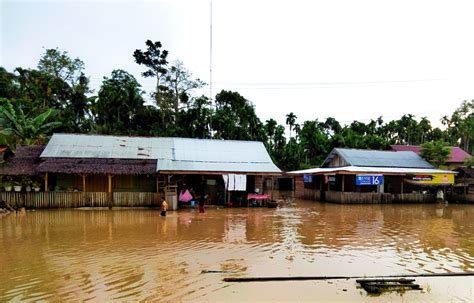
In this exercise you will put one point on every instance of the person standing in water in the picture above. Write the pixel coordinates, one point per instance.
(164, 208)
(202, 200)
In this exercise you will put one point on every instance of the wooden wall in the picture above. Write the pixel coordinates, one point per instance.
(100, 183)
(80, 199)
(312, 194)
(259, 183)
(337, 161)
(299, 187)
(375, 198)
(463, 198)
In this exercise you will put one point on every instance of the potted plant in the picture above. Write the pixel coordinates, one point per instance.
(26, 182)
(8, 183)
(36, 186)
(17, 186)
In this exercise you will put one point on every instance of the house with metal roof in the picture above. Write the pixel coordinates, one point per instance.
(371, 176)
(456, 157)
(146, 168)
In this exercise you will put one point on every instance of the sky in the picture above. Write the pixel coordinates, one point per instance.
(351, 60)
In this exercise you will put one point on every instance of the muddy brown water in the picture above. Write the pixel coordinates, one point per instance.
(136, 255)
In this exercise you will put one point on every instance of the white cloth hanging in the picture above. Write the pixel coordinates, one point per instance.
(226, 181)
(240, 182)
(231, 182)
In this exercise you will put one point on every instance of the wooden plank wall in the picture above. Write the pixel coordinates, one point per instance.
(464, 198)
(312, 194)
(80, 199)
(299, 187)
(259, 183)
(375, 198)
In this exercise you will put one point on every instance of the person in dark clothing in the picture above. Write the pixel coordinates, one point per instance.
(202, 200)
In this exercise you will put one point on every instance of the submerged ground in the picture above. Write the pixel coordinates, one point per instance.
(130, 254)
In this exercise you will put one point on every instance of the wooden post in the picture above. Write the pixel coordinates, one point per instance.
(84, 183)
(110, 192)
(342, 183)
(46, 182)
(402, 188)
(110, 183)
(272, 186)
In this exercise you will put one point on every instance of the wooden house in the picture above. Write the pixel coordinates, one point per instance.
(369, 176)
(94, 170)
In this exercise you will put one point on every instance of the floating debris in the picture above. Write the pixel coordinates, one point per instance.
(379, 286)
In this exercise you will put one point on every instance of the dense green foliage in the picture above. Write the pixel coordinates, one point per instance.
(436, 152)
(56, 96)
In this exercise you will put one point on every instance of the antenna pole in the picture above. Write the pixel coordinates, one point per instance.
(210, 68)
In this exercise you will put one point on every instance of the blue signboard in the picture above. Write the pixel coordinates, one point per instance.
(308, 179)
(369, 180)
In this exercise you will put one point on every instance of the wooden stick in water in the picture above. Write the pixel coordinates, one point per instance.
(304, 278)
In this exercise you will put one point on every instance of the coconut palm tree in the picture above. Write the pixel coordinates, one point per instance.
(290, 120)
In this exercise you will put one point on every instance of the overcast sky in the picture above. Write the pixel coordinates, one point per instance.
(348, 59)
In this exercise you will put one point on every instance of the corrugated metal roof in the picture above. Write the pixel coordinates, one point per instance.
(365, 170)
(172, 154)
(457, 154)
(378, 158)
(95, 146)
(217, 156)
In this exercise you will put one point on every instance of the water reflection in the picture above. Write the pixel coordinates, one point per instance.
(138, 255)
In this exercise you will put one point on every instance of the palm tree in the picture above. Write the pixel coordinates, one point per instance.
(297, 129)
(25, 129)
(290, 120)
(270, 128)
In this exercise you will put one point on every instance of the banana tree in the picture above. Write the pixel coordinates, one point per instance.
(18, 128)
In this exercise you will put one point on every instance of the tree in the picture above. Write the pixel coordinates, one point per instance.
(154, 58)
(60, 65)
(425, 129)
(469, 162)
(40, 91)
(196, 120)
(332, 126)
(270, 127)
(435, 152)
(314, 143)
(460, 127)
(235, 118)
(407, 129)
(9, 86)
(119, 100)
(25, 129)
(179, 82)
(290, 120)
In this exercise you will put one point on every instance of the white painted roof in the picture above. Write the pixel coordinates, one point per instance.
(367, 170)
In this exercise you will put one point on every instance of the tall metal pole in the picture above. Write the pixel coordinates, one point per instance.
(210, 67)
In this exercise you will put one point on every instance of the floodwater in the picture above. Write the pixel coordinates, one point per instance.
(136, 255)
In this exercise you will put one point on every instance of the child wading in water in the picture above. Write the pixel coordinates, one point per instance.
(202, 200)
(164, 208)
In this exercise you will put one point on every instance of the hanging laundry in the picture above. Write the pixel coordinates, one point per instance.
(231, 186)
(240, 182)
(233, 182)
(186, 196)
(226, 181)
